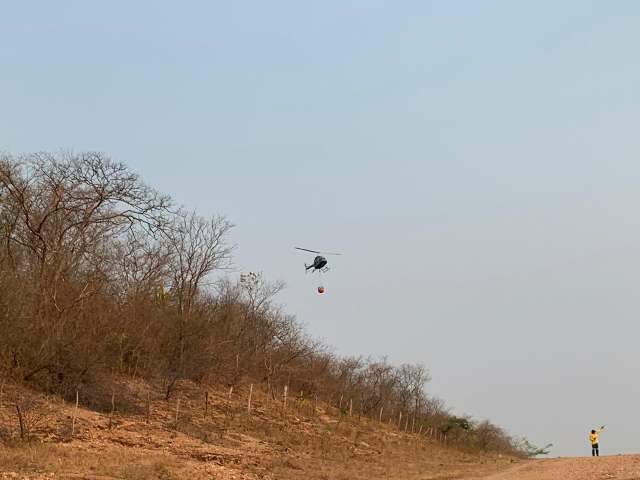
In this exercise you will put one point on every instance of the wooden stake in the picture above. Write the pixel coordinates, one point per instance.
(286, 389)
(230, 391)
(250, 394)
(177, 412)
(75, 413)
(206, 403)
(400, 420)
(113, 408)
(21, 420)
(380, 416)
(340, 404)
(350, 406)
(148, 408)
(135, 368)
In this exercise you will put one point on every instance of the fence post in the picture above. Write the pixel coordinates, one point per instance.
(400, 420)
(250, 395)
(148, 408)
(286, 388)
(177, 412)
(113, 408)
(380, 416)
(75, 413)
(20, 419)
(350, 406)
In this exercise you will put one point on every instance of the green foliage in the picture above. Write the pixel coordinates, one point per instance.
(531, 450)
(454, 422)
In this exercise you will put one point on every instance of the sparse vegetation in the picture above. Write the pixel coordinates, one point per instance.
(103, 279)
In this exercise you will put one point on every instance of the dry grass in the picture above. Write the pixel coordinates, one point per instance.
(270, 443)
(33, 459)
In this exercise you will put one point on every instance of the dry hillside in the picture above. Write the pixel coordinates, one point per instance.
(114, 297)
(220, 440)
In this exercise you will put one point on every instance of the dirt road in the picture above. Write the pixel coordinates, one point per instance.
(620, 467)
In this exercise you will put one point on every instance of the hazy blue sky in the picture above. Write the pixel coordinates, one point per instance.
(476, 161)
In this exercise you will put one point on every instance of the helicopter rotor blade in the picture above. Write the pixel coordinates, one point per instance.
(307, 250)
(316, 251)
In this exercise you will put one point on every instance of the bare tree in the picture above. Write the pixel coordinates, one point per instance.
(413, 378)
(99, 277)
(199, 247)
(60, 214)
(380, 381)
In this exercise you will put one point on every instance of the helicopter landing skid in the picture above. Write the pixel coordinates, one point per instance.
(314, 270)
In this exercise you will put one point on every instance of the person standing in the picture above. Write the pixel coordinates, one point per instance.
(593, 438)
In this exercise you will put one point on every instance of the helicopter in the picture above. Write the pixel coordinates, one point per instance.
(319, 263)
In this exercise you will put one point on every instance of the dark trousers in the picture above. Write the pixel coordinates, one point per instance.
(594, 450)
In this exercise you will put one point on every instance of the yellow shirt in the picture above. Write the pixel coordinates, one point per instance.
(593, 437)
